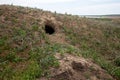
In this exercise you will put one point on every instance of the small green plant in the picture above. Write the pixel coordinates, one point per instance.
(117, 61)
(2, 26)
(3, 41)
(6, 73)
(116, 72)
(35, 27)
(4, 44)
(12, 57)
(19, 32)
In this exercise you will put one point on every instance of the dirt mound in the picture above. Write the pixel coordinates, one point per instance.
(77, 68)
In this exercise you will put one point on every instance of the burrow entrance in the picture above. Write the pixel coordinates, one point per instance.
(49, 29)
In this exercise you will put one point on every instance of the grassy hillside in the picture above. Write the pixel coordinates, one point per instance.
(30, 39)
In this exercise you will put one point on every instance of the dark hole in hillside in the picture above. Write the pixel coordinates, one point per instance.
(49, 29)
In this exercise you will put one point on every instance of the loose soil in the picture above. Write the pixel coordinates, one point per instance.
(77, 68)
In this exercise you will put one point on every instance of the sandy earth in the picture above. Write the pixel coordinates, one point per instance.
(77, 68)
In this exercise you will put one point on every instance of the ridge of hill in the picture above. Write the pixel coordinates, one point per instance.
(41, 45)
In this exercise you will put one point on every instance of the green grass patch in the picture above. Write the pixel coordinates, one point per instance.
(35, 27)
(31, 72)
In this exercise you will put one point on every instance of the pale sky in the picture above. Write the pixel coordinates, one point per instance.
(76, 7)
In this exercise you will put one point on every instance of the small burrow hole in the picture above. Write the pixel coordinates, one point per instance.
(49, 29)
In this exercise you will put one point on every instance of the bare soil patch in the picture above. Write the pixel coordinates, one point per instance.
(77, 68)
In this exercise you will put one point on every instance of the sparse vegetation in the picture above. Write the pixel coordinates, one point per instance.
(27, 52)
(97, 49)
(117, 61)
(35, 27)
